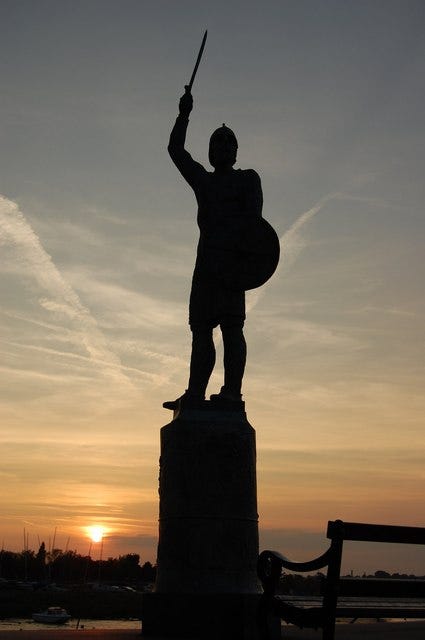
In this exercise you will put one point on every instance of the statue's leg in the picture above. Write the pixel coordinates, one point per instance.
(202, 360)
(234, 358)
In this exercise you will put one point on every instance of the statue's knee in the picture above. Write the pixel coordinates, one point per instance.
(202, 336)
(232, 333)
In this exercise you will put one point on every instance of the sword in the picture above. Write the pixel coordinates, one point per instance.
(188, 87)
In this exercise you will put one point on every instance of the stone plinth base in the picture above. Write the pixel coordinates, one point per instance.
(206, 585)
(204, 617)
(208, 522)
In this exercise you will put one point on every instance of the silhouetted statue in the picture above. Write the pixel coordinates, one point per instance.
(229, 208)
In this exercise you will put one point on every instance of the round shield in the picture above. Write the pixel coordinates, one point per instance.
(242, 252)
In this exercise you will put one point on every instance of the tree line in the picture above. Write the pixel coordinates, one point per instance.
(70, 567)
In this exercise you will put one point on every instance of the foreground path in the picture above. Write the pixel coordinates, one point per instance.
(373, 631)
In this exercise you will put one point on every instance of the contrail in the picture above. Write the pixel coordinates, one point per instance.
(291, 244)
(16, 232)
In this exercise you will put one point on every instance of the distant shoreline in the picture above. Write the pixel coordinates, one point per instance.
(27, 624)
(80, 604)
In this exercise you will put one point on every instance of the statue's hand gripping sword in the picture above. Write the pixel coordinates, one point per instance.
(188, 87)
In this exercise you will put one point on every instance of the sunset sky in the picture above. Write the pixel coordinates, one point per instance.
(97, 240)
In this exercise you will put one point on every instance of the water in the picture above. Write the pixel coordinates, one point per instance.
(26, 624)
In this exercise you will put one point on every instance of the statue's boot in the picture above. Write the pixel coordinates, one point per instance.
(226, 395)
(187, 399)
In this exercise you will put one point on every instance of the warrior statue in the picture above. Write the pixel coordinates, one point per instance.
(237, 250)
(225, 193)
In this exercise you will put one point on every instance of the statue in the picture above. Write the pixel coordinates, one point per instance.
(237, 250)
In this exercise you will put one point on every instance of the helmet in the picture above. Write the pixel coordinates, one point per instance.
(220, 135)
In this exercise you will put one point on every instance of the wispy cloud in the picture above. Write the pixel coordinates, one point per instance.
(61, 299)
(125, 307)
(292, 243)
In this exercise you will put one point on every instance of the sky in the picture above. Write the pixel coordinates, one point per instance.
(98, 236)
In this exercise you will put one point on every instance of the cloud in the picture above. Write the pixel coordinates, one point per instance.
(126, 308)
(62, 300)
(292, 241)
(291, 244)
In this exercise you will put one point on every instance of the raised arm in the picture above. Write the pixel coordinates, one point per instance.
(188, 167)
(178, 133)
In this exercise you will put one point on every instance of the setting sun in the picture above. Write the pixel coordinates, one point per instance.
(96, 533)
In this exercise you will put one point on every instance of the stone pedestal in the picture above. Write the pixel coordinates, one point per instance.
(207, 583)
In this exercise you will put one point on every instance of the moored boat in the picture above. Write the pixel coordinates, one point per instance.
(52, 615)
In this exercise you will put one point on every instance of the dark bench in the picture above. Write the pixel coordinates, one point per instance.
(273, 608)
